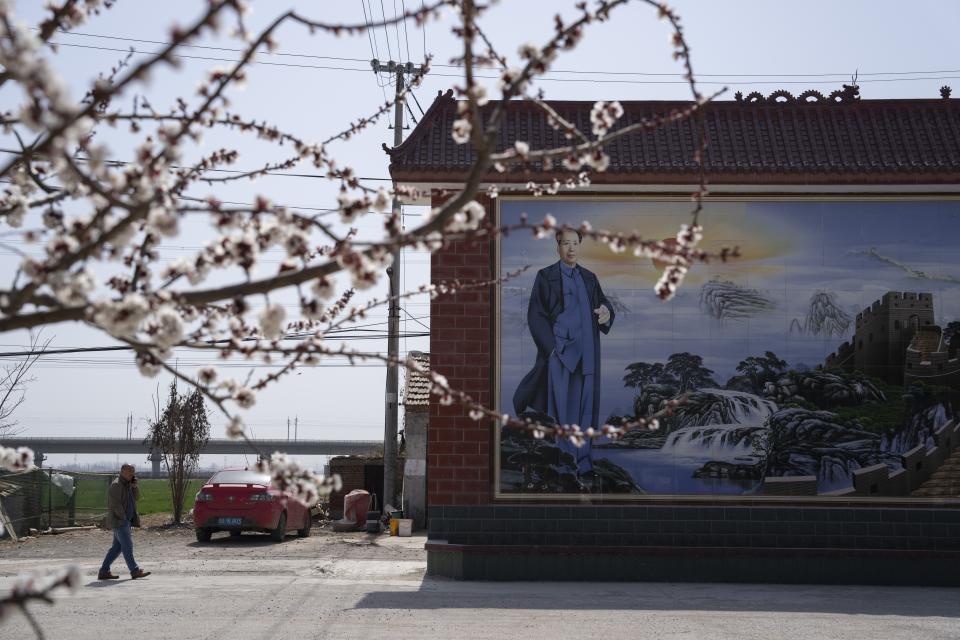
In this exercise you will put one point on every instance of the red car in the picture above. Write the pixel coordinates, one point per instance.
(238, 500)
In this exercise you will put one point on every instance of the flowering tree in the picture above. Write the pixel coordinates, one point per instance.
(102, 224)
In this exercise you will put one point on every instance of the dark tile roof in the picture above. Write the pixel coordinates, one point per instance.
(753, 140)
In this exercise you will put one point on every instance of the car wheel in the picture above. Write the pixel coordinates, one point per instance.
(278, 534)
(235, 534)
(203, 534)
(307, 523)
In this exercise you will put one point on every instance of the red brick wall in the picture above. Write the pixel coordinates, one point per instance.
(352, 472)
(351, 475)
(458, 447)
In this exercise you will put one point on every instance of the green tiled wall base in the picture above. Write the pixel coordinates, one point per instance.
(691, 565)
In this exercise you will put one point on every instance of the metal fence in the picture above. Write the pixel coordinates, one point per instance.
(44, 498)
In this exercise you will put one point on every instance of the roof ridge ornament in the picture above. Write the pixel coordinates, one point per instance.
(849, 93)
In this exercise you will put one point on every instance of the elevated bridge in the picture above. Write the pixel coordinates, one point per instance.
(43, 446)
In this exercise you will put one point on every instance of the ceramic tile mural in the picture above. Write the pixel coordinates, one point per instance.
(829, 346)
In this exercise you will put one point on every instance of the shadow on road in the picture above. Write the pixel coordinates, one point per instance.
(100, 584)
(442, 593)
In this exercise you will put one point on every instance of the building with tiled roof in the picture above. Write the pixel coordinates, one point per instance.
(857, 168)
(777, 140)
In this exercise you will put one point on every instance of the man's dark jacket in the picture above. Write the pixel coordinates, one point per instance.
(118, 495)
(546, 303)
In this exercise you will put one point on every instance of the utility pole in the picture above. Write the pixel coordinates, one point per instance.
(393, 314)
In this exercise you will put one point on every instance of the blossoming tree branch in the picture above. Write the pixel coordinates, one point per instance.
(101, 224)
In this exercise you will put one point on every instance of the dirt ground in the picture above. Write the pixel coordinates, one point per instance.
(159, 544)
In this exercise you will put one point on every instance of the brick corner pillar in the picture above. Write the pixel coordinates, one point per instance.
(459, 455)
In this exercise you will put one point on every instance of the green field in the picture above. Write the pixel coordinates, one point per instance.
(154, 495)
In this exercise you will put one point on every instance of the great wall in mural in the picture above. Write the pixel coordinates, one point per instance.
(809, 389)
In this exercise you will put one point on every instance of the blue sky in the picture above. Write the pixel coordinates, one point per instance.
(780, 39)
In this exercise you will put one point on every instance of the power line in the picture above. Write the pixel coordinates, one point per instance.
(414, 96)
(396, 28)
(374, 49)
(385, 32)
(193, 57)
(210, 48)
(410, 111)
(122, 347)
(233, 171)
(836, 75)
(730, 81)
(423, 27)
(415, 319)
(406, 34)
(55, 352)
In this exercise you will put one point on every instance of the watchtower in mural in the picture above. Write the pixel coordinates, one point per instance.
(884, 331)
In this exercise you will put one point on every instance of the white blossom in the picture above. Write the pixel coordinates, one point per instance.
(148, 365)
(236, 429)
(15, 459)
(508, 77)
(460, 132)
(245, 397)
(165, 326)
(323, 288)
(382, 201)
(689, 236)
(671, 279)
(479, 94)
(598, 160)
(350, 206)
(163, 221)
(73, 288)
(572, 162)
(206, 375)
(18, 208)
(468, 218)
(604, 115)
(271, 321)
(121, 318)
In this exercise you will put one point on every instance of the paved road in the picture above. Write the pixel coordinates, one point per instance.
(343, 587)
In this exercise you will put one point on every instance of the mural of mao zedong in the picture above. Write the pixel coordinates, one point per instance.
(567, 312)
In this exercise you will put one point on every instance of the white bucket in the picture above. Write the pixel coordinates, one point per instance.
(405, 528)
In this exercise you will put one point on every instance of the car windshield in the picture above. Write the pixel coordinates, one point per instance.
(241, 477)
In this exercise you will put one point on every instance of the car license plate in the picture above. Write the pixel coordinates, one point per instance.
(231, 521)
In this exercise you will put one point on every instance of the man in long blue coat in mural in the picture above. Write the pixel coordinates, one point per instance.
(567, 312)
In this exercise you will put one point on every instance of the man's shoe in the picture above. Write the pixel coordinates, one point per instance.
(139, 573)
(107, 576)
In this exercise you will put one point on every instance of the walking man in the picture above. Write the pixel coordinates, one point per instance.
(122, 514)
